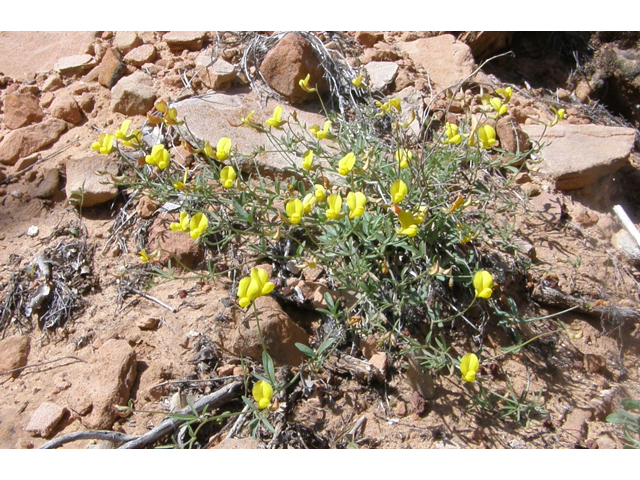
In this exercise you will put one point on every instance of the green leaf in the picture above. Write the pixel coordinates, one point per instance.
(267, 363)
(306, 350)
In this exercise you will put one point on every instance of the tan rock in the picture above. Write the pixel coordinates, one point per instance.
(111, 68)
(176, 246)
(238, 444)
(133, 95)
(140, 55)
(45, 419)
(280, 334)
(511, 136)
(446, 60)
(217, 76)
(126, 41)
(289, 62)
(74, 64)
(579, 155)
(146, 207)
(53, 82)
(47, 184)
(85, 185)
(367, 39)
(14, 352)
(27, 140)
(66, 108)
(21, 109)
(381, 74)
(185, 40)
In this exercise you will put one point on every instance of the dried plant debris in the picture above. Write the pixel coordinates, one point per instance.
(50, 288)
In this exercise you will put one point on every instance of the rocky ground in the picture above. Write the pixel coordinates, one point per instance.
(59, 90)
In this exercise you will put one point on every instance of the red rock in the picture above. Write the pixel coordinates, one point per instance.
(82, 175)
(146, 207)
(53, 82)
(27, 140)
(175, 245)
(289, 62)
(45, 419)
(47, 184)
(14, 352)
(111, 68)
(140, 55)
(21, 109)
(133, 95)
(367, 39)
(511, 136)
(184, 40)
(126, 41)
(280, 334)
(86, 102)
(66, 108)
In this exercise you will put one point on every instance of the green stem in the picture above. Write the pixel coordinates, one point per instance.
(255, 314)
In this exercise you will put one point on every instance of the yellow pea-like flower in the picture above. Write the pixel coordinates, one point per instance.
(121, 133)
(357, 82)
(104, 145)
(307, 159)
(223, 148)
(321, 134)
(487, 136)
(408, 224)
(398, 191)
(198, 225)
(308, 202)
(452, 132)
(346, 163)
(276, 119)
(262, 393)
(497, 105)
(483, 283)
(319, 192)
(356, 203)
(144, 257)
(469, 366)
(159, 157)
(403, 157)
(182, 225)
(295, 210)
(246, 121)
(506, 93)
(228, 176)
(254, 286)
(335, 207)
(304, 84)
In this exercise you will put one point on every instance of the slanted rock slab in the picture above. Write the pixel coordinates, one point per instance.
(27, 140)
(381, 74)
(75, 64)
(579, 155)
(21, 109)
(83, 175)
(185, 40)
(140, 55)
(45, 419)
(133, 95)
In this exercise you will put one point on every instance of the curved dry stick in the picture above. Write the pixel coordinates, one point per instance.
(212, 400)
(115, 437)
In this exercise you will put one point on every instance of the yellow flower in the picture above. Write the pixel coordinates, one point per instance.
(487, 136)
(398, 191)
(321, 134)
(121, 133)
(307, 159)
(227, 176)
(469, 367)
(208, 151)
(458, 202)
(335, 207)
(403, 157)
(483, 283)
(295, 209)
(276, 120)
(198, 225)
(308, 202)
(393, 104)
(452, 132)
(181, 185)
(182, 225)
(304, 84)
(356, 202)
(136, 136)
(262, 394)
(246, 121)
(254, 286)
(408, 225)
(346, 163)
(472, 135)
(104, 145)
(320, 192)
(420, 213)
(159, 157)
(559, 115)
(357, 82)
(506, 93)
(497, 105)
(223, 148)
(144, 258)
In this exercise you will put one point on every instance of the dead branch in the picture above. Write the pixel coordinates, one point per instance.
(153, 299)
(360, 369)
(115, 437)
(40, 364)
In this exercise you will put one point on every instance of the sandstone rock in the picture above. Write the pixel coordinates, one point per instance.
(27, 140)
(382, 52)
(146, 207)
(104, 382)
(289, 62)
(511, 136)
(575, 424)
(211, 116)
(279, 331)
(125, 41)
(47, 184)
(314, 293)
(627, 246)
(86, 102)
(45, 419)
(53, 82)
(381, 74)
(14, 352)
(447, 61)
(547, 207)
(148, 323)
(26, 162)
(74, 64)
(217, 76)
(486, 44)
(379, 362)
(21, 109)
(579, 155)
(175, 245)
(367, 39)
(238, 444)
(47, 99)
(23, 54)
(185, 40)
(111, 68)
(133, 95)
(66, 108)
(140, 55)
(83, 176)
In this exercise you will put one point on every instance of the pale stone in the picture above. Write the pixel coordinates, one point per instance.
(140, 55)
(133, 95)
(45, 419)
(381, 74)
(27, 140)
(85, 185)
(125, 41)
(74, 64)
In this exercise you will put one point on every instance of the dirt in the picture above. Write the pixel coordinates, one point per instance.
(580, 374)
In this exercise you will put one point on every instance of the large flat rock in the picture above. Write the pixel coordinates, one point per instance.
(575, 156)
(24, 54)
